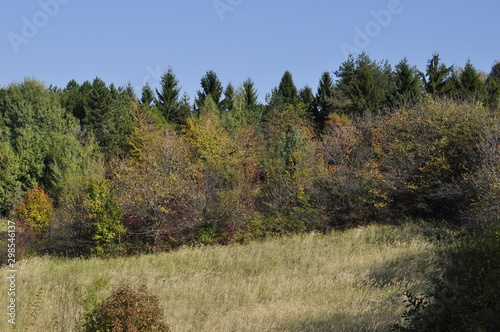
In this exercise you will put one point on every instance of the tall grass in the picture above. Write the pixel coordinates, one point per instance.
(344, 281)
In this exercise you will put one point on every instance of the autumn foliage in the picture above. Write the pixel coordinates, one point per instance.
(36, 210)
(234, 169)
(126, 310)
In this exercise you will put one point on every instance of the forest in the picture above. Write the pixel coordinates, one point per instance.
(93, 170)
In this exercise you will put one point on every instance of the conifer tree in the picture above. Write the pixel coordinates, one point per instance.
(287, 89)
(345, 74)
(185, 109)
(228, 101)
(437, 77)
(167, 100)
(471, 87)
(306, 96)
(253, 110)
(250, 93)
(147, 97)
(493, 87)
(129, 91)
(211, 86)
(407, 85)
(324, 94)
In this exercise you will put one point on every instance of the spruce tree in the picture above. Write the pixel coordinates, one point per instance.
(253, 110)
(493, 87)
(287, 89)
(129, 91)
(228, 101)
(407, 85)
(471, 87)
(147, 97)
(437, 78)
(323, 100)
(167, 100)
(211, 86)
(250, 93)
(185, 110)
(306, 96)
(345, 74)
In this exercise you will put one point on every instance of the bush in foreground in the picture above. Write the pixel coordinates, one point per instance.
(126, 310)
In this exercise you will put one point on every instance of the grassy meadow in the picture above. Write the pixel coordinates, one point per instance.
(344, 281)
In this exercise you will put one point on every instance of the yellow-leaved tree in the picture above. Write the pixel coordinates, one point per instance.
(158, 187)
(226, 169)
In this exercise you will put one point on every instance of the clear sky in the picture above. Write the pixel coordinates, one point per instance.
(119, 41)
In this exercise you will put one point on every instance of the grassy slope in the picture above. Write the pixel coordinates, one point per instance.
(345, 281)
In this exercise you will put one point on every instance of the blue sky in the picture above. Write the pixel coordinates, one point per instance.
(55, 41)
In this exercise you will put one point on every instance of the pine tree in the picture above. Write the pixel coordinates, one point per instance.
(250, 93)
(407, 85)
(345, 74)
(437, 78)
(185, 109)
(493, 87)
(368, 89)
(129, 91)
(471, 87)
(167, 100)
(253, 110)
(324, 95)
(306, 96)
(228, 101)
(287, 89)
(147, 97)
(211, 86)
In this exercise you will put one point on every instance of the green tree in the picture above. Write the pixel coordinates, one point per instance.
(185, 108)
(471, 86)
(324, 95)
(306, 96)
(167, 100)
(147, 97)
(211, 87)
(368, 87)
(287, 89)
(437, 77)
(228, 101)
(10, 187)
(129, 91)
(105, 111)
(105, 220)
(345, 74)
(46, 140)
(250, 93)
(251, 107)
(407, 85)
(493, 87)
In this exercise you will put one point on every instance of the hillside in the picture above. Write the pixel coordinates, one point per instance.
(344, 281)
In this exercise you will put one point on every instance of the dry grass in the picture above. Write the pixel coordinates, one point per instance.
(345, 281)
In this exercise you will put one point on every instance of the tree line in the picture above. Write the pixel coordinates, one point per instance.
(92, 169)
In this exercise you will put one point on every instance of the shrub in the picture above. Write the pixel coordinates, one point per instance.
(36, 210)
(124, 310)
(425, 152)
(466, 299)
(105, 220)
